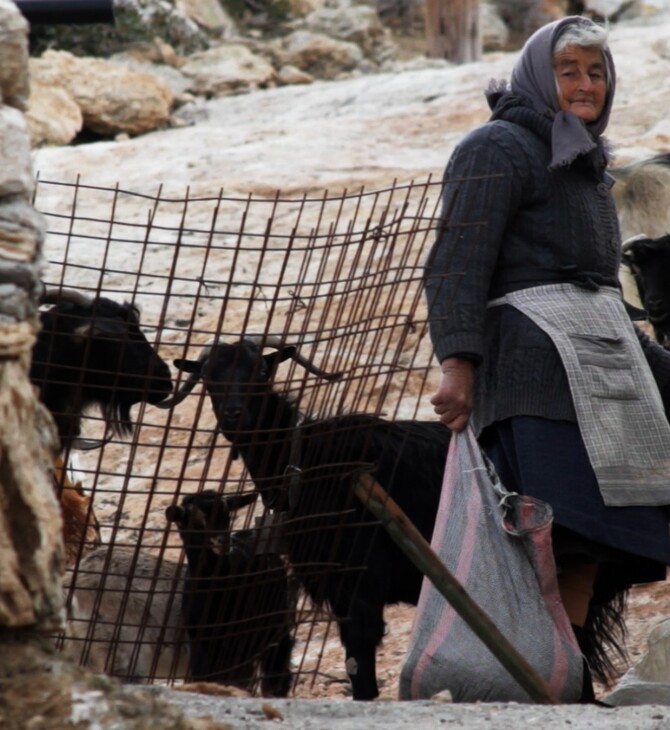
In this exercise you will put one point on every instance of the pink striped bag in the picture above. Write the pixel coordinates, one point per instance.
(498, 545)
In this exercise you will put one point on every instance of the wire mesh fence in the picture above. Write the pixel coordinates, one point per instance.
(336, 276)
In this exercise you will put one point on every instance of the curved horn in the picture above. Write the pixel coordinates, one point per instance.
(268, 340)
(83, 444)
(53, 296)
(628, 243)
(277, 342)
(188, 384)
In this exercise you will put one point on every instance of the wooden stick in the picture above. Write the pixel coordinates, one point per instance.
(418, 550)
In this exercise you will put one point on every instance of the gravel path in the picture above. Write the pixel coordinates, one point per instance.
(254, 714)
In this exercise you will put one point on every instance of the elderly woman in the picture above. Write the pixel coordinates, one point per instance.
(537, 353)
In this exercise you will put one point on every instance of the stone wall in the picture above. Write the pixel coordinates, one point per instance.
(31, 550)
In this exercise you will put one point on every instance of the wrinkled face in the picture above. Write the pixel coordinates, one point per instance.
(582, 81)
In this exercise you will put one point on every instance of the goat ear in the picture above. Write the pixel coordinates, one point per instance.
(131, 313)
(237, 501)
(641, 251)
(174, 513)
(188, 366)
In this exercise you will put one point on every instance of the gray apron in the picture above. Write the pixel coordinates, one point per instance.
(619, 408)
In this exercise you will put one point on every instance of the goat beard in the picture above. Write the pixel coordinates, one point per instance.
(117, 418)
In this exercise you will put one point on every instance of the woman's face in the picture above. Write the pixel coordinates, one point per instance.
(582, 81)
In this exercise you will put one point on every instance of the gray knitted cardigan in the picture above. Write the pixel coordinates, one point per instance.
(509, 223)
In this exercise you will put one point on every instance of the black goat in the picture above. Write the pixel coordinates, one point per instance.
(91, 351)
(237, 604)
(342, 556)
(649, 261)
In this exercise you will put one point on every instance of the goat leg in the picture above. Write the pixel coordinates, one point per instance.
(276, 668)
(360, 639)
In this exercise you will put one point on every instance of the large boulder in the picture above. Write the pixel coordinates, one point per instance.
(53, 116)
(227, 69)
(317, 54)
(113, 99)
(351, 22)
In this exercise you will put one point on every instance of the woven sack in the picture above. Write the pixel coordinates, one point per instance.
(498, 546)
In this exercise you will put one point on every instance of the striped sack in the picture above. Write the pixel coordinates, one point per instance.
(498, 546)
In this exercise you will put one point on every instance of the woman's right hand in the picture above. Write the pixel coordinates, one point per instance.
(453, 399)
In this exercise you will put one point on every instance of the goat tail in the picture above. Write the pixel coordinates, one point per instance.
(602, 639)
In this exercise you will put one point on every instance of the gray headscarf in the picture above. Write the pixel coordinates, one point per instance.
(533, 78)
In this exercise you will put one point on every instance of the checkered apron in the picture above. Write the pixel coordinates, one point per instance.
(617, 402)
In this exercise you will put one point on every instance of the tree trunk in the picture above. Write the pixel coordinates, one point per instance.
(452, 30)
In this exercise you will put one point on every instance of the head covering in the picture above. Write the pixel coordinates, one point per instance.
(534, 80)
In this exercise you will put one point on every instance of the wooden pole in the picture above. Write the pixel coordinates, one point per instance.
(418, 550)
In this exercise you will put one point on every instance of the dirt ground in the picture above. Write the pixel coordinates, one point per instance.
(648, 605)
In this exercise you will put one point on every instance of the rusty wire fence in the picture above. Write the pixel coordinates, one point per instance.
(339, 276)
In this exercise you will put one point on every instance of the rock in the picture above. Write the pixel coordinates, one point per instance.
(662, 47)
(53, 116)
(112, 98)
(317, 54)
(353, 23)
(16, 176)
(40, 691)
(227, 69)
(301, 8)
(30, 519)
(156, 52)
(21, 235)
(209, 14)
(170, 73)
(291, 75)
(648, 680)
(14, 85)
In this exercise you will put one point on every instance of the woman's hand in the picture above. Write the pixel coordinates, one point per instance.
(453, 399)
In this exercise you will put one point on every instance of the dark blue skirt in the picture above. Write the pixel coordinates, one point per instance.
(547, 459)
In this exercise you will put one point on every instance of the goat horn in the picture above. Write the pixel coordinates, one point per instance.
(188, 384)
(628, 243)
(277, 342)
(82, 444)
(53, 296)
